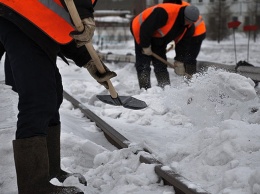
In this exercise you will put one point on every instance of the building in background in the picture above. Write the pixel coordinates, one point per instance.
(134, 6)
(113, 16)
(112, 19)
(246, 11)
(217, 14)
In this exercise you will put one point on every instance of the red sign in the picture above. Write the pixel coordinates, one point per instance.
(234, 24)
(250, 28)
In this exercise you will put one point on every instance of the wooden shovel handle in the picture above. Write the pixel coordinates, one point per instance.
(163, 60)
(79, 26)
(168, 63)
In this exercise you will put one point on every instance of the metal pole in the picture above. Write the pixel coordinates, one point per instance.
(235, 45)
(248, 46)
(219, 22)
(256, 7)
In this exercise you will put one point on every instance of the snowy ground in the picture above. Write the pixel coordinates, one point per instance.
(208, 130)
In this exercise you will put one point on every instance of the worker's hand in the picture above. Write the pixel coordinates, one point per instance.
(86, 35)
(179, 68)
(101, 78)
(147, 51)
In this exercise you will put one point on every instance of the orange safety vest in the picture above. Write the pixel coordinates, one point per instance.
(200, 26)
(50, 17)
(171, 9)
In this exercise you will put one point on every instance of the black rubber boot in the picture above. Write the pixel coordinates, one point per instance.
(32, 168)
(190, 68)
(53, 145)
(163, 79)
(144, 80)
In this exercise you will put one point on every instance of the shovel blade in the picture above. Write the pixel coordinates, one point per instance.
(125, 101)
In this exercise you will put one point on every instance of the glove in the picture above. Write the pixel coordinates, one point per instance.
(86, 35)
(148, 51)
(179, 68)
(100, 78)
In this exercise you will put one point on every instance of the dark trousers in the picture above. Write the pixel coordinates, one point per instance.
(143, 62)
(35, 78)
(2, 50)
(188, 51)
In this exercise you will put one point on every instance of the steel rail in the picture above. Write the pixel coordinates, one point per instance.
(247, 71)
(180, 184)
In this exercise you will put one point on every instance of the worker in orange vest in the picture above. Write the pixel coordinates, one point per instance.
(188, 51)
(153, 29)
(33, 33)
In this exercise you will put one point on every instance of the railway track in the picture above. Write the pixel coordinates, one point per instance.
(247, 71)
(180, 184)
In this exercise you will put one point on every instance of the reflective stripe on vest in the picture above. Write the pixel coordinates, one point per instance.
(47, 15)
(171, 9)
(198, 21)
(200, 27)
(59, 3)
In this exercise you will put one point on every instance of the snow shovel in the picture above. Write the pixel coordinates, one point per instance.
(113, 98)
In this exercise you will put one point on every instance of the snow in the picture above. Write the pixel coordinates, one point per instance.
(207, 129)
